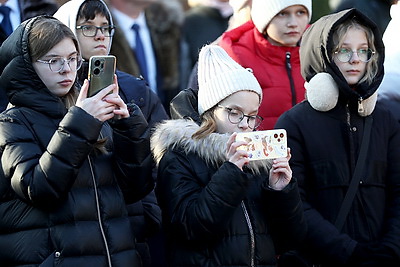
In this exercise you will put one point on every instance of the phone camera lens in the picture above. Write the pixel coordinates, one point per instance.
(97, 63)
(96, 71)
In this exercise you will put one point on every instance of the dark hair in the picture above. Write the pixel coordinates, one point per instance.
(90, 8)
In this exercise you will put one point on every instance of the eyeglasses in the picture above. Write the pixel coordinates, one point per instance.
(91, 30)
(56, 64)
(344, 54)
(235, 116)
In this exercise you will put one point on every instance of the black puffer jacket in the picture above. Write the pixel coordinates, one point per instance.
(215, 214)
(325, 145)
(58, 199)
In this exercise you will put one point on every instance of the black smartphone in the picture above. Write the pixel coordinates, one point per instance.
(101, 73)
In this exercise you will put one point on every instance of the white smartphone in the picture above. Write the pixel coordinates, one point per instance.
(269, 144)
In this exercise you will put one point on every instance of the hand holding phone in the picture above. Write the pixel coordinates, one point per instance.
(101, 73)
(269, 144)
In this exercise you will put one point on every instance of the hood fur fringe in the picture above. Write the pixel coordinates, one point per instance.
(172, 134)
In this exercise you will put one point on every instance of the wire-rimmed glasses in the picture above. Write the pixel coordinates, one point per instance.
(345, 54)
(235, 116)
(56, 64)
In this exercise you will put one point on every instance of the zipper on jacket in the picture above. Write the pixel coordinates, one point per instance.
(252, 239)
(360, 105)
(98, 213)
(289, 73)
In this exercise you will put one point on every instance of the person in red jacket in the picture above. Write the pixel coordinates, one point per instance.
(269, 45)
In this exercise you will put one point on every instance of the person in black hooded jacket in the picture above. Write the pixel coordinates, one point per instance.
(220, 209)
(67, 169)
(145, 215)
(342, 57)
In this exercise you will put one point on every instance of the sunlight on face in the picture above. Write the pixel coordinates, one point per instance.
(353, 70)
(246, 101)
(59, 83)
(98, 45)
(288, 26)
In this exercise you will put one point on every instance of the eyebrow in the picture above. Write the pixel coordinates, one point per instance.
(240, 108)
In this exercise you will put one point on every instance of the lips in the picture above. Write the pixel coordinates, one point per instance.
(65, 82)
(353, 71)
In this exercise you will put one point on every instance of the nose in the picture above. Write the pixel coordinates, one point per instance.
(99, 34)
(292, 21)
(244, 123)
(354, 57)
(65, 67)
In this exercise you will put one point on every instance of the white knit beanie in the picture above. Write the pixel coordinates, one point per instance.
(220, 76)
(263, 11)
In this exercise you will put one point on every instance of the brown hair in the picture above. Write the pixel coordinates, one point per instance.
(46, 33)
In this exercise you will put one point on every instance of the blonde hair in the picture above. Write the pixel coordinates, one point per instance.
(208, 125)
(340, 32)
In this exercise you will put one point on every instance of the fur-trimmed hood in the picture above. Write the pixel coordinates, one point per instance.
(325, 84)
(172, 134)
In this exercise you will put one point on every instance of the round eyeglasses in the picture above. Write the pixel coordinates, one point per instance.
(56, 64)
(364, 54)
(235, 116)
(91, 30)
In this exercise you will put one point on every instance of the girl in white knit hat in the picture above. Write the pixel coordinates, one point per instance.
(218, 208)
(269, 45)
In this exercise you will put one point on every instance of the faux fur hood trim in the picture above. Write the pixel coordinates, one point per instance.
(322, 93)
(172, 134)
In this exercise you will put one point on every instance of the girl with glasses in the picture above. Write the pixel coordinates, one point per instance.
(66, 167)
(339, 131)
(218, 208)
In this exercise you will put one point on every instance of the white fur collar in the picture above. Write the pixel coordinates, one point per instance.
(212, 149)
(323, 93)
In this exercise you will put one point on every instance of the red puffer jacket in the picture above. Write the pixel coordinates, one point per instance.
(277, 69)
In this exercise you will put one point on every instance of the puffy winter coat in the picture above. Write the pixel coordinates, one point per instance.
(325, 145)
(214, 213)
(60, 200)
(277, 69)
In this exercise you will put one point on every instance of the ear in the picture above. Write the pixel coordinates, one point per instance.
(322, 92)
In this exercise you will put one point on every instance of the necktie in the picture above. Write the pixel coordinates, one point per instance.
(6, 23)
(139, 51)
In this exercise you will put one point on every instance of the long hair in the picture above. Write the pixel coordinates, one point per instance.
(340, 32)
(45, 34)
(208, 125)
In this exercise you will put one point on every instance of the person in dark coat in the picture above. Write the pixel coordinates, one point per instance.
(145, 215)
(24, 9)
(218, 208)
(69, 163)
(342, 57)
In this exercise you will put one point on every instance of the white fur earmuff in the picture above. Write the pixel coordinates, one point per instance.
(322, 93)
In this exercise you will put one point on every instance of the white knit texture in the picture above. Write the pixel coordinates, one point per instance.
(220, 76)
(263, 11)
